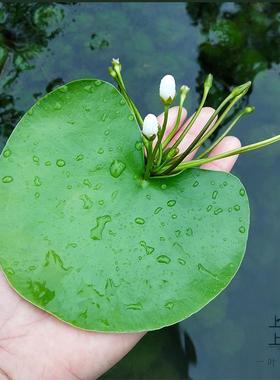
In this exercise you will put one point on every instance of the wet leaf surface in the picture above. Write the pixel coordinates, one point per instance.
(86, 239)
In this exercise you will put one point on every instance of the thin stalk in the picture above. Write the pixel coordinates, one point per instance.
(183, 94)
(161, 132)
(149, 159)
(216, 125)
(118, 78)
(243, 149)
(159, 158)
(130, 102)
(197, 141)
(174, 129)
(228, 129)
(193, 119)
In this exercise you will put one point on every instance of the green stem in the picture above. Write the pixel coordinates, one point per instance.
(220, 138)
(193, 119)
(216, 125)
(149, 159)
(200, 137)
(174, 129)
(129, 100)
(161, 132)
(243, 149)
(183, 94)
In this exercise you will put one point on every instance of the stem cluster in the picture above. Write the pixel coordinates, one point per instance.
(163, 157)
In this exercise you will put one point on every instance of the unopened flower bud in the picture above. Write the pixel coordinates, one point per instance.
(116, 64)
(167, 89)
(242, 89)
(112, 72)
(150, 125)
(184, 90)
(208, 81)
(249, 109)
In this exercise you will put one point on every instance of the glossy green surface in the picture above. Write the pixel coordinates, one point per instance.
(86, 239)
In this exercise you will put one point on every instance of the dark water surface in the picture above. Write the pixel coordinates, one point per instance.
(42, 46)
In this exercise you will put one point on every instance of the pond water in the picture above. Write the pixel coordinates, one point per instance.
(42, 46)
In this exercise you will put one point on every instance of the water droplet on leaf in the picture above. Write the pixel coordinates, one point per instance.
(242, 192)
(97, 231)
(134, 306)
(139, 220)
(87, 202)
(37, 181)
(149, 250)
(36, 159)
(169, 305)
(57, 106)
(214, 194)
(138, 145)
(157, 210)
(218, 211)
(60, 163)
(79, 157)
(117, 168)
(204, 270)
(163, 259)
(88, 88)
(63, 89)
(7, 153)
(7, 179)
(189, 231)
(171, 203)
(242, 229)
(181, 261)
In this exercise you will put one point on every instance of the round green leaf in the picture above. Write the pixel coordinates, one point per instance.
(86, 239)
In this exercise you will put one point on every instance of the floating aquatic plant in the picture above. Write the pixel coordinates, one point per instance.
(103, 222)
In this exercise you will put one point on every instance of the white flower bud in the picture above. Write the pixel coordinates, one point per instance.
(167, 89)
(115, 61)
(150, 125)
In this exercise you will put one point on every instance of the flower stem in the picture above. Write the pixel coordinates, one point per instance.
(207, 86)
(162, 130)
(116, 74)
(149, 159)
(228, 129)
(243, 149)
(183, 95)
(216, 125)
(235, 95)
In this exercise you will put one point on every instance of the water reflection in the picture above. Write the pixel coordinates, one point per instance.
(44, 45)
(239, 40)
(25, 30)
(163, 354)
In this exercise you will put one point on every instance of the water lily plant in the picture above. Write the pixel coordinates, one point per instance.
(104, 223)
(166, 160)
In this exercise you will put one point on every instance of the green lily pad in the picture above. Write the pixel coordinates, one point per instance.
(86, 239)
